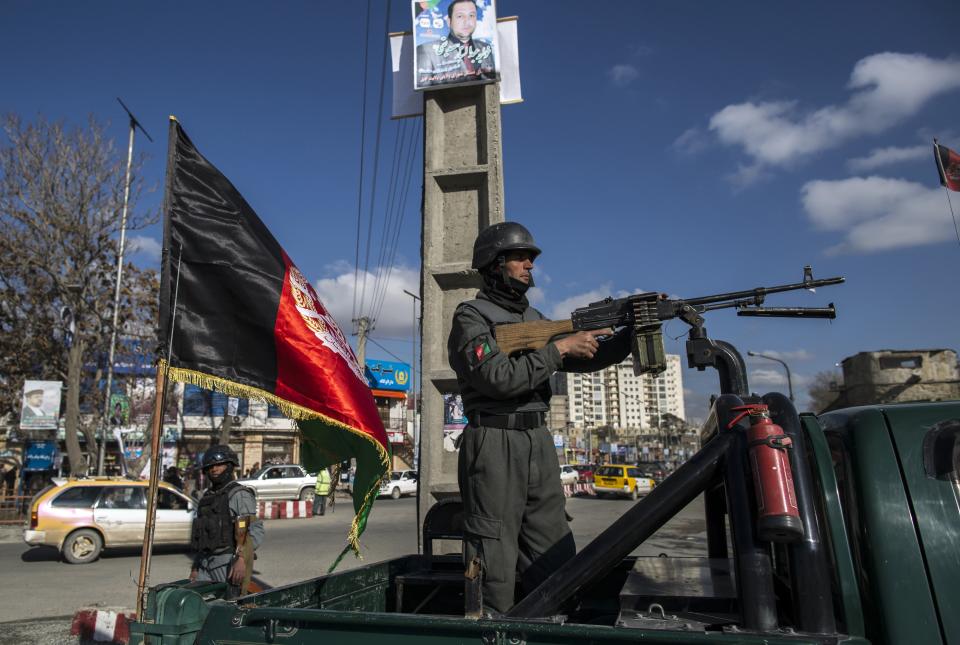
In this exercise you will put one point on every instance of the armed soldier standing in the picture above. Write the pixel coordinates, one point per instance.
(509, 475)
(226, 530)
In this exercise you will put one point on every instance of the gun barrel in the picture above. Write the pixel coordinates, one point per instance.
(790, 312)
(762, 291)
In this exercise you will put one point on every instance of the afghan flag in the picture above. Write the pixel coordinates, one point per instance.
(240, 318)
(948, 165)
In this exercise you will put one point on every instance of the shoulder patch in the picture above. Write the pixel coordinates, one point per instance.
(480, 349)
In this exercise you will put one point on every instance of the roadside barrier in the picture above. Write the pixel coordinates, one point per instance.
(101, 626)
(569, 490)
(284, 510)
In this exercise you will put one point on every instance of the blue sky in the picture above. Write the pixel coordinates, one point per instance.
(682, 147)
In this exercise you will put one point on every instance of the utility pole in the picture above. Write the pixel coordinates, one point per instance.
(414, 368)
(363, 327)
(134, 124)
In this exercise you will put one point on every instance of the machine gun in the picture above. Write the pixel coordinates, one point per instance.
(645, 312)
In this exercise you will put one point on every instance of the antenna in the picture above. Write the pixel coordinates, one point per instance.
(133, 120)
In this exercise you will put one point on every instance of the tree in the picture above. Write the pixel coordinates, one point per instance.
(61, 196)
(824, 389)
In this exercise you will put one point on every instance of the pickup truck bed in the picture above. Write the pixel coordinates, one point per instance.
(885, 514)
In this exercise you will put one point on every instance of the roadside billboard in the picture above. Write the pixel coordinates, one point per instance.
(40, 407)
(455, 43)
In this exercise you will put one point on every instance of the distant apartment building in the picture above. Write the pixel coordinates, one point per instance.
(616, 397)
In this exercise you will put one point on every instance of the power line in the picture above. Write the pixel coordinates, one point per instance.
(395, 220)
(399, 144)
(376, 157)
(363, 130)
(402, 212)
(385, 349)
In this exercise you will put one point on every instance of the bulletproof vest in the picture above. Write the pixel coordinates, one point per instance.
(474, 401)
(213, 525)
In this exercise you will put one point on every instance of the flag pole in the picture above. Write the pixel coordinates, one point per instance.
(159, 401)
(134, 124)
(156, 459)
(946, 190)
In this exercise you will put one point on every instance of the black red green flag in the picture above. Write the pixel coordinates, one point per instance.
(948, 165)
(248, 323)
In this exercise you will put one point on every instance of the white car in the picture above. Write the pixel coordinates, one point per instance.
(401, 482)
(287, 481)
(568, 475)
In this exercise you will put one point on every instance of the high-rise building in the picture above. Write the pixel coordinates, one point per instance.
(616, 397)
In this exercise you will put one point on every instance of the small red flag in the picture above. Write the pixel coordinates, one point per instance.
(948, 165)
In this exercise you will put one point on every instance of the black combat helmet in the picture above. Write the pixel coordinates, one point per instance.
(219, 455)
(497, 239)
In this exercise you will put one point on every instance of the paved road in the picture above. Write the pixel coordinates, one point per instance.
(39, 584)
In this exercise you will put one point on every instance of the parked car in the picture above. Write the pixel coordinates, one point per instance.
(585, 472)
(568, 475)
(286, 481)
(620, 479)
(401, 482)
(81, 517)
(657, 470)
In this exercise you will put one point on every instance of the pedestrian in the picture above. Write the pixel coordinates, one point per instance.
(226, 531)
(172, 477)
(509, 475)
(321, 491)
(10, 480)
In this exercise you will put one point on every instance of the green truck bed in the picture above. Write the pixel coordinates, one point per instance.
(887, 511)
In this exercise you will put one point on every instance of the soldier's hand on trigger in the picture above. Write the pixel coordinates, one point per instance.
(582, 344)
(193, 575)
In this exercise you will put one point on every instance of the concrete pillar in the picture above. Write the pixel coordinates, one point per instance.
(462, 194)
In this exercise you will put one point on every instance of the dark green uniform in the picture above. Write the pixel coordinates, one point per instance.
(509, 475)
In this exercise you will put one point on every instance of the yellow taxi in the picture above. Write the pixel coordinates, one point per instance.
(621, 479)
(81, 517)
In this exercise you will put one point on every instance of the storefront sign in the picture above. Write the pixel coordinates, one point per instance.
(388, 375)
(41, 455)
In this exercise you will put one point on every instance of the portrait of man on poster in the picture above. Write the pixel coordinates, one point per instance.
(464, 54)
(40, 405)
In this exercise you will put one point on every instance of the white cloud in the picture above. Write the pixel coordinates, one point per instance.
(536, 296)
(622, 75)
(888, 156)
(877, 213)
(396, 314)
(693, 141)
(767, 377)
(565, 307)
(887, 88)
(145, 246)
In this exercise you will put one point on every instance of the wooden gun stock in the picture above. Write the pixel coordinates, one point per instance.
(514, 337)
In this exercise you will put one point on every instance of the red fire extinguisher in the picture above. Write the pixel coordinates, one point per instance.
(778, 515)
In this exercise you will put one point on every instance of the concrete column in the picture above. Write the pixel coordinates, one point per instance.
(462, 194)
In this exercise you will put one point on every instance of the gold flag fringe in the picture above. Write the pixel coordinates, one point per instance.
(291, 410)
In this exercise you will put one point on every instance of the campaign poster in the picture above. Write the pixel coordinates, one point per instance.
(454, 421)
(40, 408)
(119, 410)
(455, 43)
